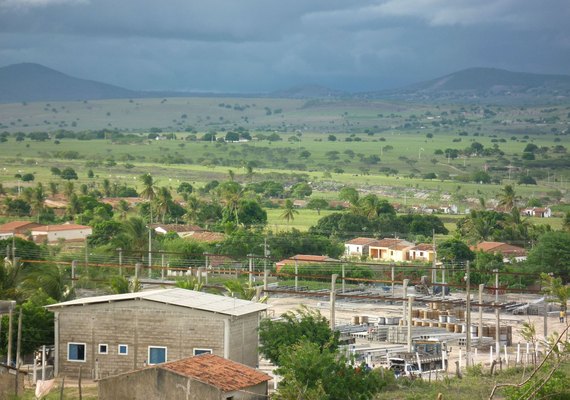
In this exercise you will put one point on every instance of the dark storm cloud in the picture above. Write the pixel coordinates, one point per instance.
(261, 45)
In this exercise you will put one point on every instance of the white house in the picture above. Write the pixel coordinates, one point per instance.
(540, 212)
(67, 232)
(357, 246)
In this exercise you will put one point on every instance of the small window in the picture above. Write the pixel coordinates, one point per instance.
(156, 354)
(123, 349)
(421, 253)
(76, 352)
(197, 352)
(103, 349)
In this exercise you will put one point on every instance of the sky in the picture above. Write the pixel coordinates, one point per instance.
(254, 46)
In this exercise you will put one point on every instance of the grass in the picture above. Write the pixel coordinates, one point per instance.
(473, 386)
(303, 221)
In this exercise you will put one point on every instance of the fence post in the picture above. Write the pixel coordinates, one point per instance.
(137, 268)
(73, 272)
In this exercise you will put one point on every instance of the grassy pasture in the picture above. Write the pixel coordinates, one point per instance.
(398, 136)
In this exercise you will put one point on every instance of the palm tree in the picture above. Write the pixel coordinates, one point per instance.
(37, 200)
(368, 206)
(289, 211)
(190, 283)
(68, 189)
(163, 199)
(122, 285)
(134, 235)
(74, 206)
(231, 193)
(508, 198)
(192, 207)
(241, 290)
(106, 187)
(123, 209)
(148, 193)
(53, 189)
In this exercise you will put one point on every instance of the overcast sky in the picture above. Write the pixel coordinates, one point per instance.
(266, 45)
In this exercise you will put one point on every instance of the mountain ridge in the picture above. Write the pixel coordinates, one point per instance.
(28, 82)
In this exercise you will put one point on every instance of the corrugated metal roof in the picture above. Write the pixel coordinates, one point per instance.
(178, 297)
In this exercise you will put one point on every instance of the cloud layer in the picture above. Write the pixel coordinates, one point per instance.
(264, 45)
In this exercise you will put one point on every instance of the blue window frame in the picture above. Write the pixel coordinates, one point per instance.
(156, 354)
(76, 352)
(123, 349)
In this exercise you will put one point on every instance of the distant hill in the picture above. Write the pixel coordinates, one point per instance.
(488, 84)
(307, 92)
(35, 82)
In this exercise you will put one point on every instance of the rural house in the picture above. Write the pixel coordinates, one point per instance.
(181, 230)
(508, 251)
(204, 377)
(108, 335)
(357, 246)
(539, 212)
(16, 228)
(395, 250)
(422, 252)
(67, 232)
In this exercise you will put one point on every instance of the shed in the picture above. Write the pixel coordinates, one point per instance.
(204, 377)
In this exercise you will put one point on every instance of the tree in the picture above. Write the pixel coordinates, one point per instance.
(68, 174)
(454, 250)
(566, 222)
(28, 177)
(558, 292)
(508, 198)
(331, 138)
(551, 254)
(149, 190)
(163, 200)
(349, 194)
(184, 189)
(275, 336)
(317, 204)
(289, 211)
(301, 190)
(324, 374)
(526, 180)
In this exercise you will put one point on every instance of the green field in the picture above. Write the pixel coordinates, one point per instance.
(383, 147)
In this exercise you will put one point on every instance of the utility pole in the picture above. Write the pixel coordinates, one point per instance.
(481, 287)
(250, 275)
(343, 276)
(149, 248)
(10, 329)
(468, 315)
(433, 270)
(120, 261)
(296, 274)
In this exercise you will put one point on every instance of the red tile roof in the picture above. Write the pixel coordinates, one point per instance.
(423, 247)
(63, 227)
(216, 371)
(361, 241)
(499, 247)
(395, 244)
(16, 226)
(205, 236)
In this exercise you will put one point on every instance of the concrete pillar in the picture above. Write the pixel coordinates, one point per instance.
(410, 305)
(404, 311)
(332, 300)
